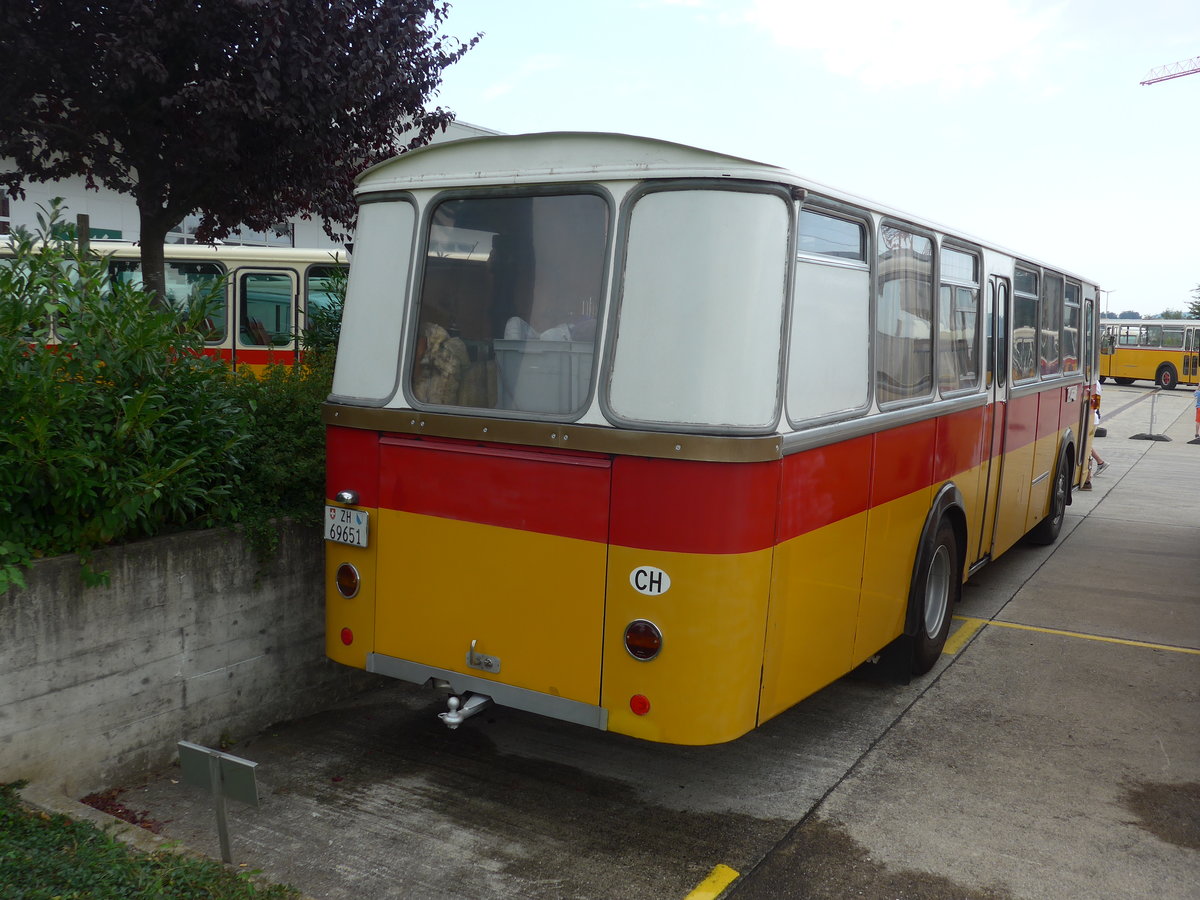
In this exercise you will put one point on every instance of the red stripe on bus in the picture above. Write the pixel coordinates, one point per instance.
(1022, 422)
(265, 357)
(960, 442)
(694, 507)
(549, 492)
(352, 463)
(679, 505)
(824, 486)
(903, 461)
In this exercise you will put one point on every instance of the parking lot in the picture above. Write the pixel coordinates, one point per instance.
(1054, 752)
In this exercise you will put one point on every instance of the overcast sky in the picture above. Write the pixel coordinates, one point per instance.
(1020, 122)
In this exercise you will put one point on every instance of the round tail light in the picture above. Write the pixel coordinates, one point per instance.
(347, 580)
(643, 640)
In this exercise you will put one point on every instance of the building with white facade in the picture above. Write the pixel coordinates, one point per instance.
(114, 216)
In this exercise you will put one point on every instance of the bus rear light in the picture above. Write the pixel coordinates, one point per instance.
(640, 704)
(347, 580)
(643, 640)
(347, 636)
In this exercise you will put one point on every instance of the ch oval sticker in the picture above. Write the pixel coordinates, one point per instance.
(649, 580)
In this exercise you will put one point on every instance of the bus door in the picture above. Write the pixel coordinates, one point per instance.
(1191, 355)
(265, 330)
(1108, 349)
(996, 374)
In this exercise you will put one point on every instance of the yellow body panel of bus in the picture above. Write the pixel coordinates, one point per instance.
(449, 583)
(703, 685)
(814, 612)
(887, 571)
(355, 613)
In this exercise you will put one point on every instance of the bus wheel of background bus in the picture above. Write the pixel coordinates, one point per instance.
(1167, 377)
(937, 588)
(1123, 380)
(1103, 379)
(1046, 531)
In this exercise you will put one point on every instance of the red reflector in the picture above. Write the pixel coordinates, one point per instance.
(639, 704)
(347, 636)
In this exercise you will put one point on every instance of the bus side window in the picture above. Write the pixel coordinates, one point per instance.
(266, 301)
(828, 367)
(904, 316)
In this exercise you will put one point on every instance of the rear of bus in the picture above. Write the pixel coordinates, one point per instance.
(502, 525)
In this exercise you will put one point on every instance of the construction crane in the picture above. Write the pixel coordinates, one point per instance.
(1174, 70)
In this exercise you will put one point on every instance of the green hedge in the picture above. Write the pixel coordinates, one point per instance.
(114, 426)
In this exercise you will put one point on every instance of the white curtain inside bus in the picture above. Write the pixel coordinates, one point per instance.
(701, 316)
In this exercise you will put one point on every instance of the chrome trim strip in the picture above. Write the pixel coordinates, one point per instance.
(503, 694)
(563, 435)
(1039, 479)
(1024, 389)
(872, 423)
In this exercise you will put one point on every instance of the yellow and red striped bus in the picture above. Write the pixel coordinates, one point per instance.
(1165, 351)
(662, 441)
(264, 294)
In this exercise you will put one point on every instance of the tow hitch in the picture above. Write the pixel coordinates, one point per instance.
(462, 708)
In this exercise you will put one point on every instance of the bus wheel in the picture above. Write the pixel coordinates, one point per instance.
(938, 587)
(1103, 379)
(1123, 381)
(1167, 378)
(1046, 531)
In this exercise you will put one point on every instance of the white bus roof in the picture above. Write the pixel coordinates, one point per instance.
(553, 157)
(573, 156)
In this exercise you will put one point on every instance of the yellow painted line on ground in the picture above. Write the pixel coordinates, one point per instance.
(965, 632)
(712, 886)
(975, 624)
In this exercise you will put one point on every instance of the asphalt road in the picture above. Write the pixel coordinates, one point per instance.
(1054, 752)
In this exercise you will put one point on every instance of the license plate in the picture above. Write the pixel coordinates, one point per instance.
(346, 526)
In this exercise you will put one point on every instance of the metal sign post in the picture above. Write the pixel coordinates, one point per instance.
(224, 775)
(1151, 435)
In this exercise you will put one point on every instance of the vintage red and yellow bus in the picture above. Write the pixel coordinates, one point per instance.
(1164, 351)
(263, 295)
(662, 441)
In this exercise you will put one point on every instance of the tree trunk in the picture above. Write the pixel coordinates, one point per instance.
(153, 235)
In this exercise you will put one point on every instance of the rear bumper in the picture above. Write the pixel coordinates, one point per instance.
(502, 694)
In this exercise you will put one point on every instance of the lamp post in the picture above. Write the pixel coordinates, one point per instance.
(1106, 293)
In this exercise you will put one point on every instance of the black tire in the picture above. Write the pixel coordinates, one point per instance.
(1167, 377)
(937, 586)
(1103, 379)
(1123, 381)
(1047, 530)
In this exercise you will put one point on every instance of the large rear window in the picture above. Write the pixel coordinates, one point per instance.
(509, 303)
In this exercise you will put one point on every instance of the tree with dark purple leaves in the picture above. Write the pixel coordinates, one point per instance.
(245, 112)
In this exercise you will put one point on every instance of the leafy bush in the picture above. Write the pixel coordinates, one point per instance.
(113, 425)
(285, 460)
(50, 857)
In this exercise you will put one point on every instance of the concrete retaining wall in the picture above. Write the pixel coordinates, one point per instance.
(98, 684)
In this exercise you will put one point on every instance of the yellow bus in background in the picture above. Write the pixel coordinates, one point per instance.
(264, 294)
(1165, 351)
